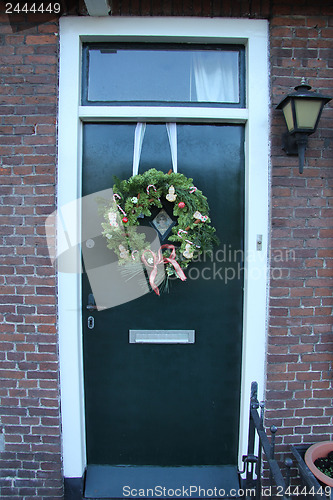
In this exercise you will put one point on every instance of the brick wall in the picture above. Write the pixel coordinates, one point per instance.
(299, 376)
(201, 8)
(300, 343)
(29, 395)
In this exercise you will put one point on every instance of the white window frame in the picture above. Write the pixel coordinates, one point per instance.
(255, 117)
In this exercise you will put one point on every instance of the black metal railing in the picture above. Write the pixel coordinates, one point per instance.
(253, 463)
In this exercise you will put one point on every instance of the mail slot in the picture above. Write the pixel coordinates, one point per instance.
(161, 336)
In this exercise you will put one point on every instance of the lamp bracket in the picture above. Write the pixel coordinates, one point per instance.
(295, 144)
(289, 144)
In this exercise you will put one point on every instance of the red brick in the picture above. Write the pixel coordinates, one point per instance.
(41, 40)
(11, 374)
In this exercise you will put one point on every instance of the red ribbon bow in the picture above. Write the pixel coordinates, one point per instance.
(159, 258)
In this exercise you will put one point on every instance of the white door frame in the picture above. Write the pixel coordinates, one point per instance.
(254, 35)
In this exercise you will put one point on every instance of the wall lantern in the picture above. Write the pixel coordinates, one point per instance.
(302, 110)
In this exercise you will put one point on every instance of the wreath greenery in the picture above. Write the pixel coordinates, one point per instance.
(134, 198)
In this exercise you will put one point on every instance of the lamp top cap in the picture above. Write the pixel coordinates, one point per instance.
(303, 85)
(303, 90)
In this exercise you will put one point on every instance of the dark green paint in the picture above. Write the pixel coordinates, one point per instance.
(169, 404)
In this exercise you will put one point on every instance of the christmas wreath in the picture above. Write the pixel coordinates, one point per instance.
(190, 229)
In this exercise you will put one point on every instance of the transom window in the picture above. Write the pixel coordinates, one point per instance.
(159, 73)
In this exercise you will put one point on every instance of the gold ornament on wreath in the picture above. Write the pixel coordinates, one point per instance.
(189, 234)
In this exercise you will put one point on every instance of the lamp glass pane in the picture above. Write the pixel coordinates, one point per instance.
(288, 115)
(307, 111)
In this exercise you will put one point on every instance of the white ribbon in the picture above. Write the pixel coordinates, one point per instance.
(138, 140)
(172, 135)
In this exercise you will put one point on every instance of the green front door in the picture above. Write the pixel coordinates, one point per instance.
(177, 404)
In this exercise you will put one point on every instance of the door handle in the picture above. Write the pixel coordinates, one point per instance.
(91, 306)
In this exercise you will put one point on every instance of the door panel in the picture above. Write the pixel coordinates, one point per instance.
(169, 404)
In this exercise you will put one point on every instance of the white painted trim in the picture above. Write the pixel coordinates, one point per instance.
(256, 222)
(69, 286)
(254, 35)
(135, 113)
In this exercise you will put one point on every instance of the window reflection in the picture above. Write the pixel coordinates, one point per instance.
(163, 75)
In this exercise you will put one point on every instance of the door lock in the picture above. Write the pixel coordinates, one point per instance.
(91, 322)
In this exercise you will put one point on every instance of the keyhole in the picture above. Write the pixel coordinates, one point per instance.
(91, 322)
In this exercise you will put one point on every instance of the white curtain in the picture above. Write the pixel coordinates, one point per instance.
(216, 76)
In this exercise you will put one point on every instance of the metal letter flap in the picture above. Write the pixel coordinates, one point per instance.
(161, 336)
